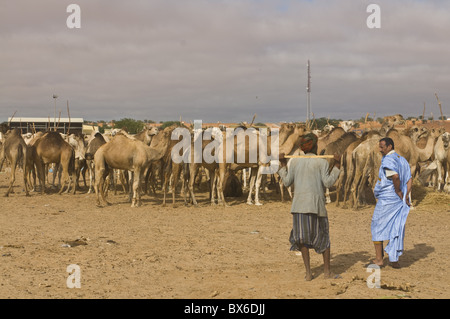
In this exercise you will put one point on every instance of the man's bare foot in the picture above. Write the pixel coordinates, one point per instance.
(377, 262)
(395, 264)
(330, 275)
(309, 276)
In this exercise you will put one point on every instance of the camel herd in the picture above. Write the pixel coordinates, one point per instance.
(143, 161)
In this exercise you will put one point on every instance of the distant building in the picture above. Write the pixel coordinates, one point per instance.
(31, 124)
(88, 129)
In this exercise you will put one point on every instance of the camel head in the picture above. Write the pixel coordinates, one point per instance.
(152, 131)
(446, 140)
(394, 119)
(415, 132)
(77, 143)
(436, 132)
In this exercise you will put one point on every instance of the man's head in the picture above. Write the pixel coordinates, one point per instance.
(308, 143)
(386, 145)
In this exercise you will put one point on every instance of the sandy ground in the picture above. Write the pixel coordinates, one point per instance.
(205, 252)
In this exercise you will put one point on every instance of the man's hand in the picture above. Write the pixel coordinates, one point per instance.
(396, 182)
(283, 160)
(337, 160)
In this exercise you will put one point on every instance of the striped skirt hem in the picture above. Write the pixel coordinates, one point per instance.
(310, 231)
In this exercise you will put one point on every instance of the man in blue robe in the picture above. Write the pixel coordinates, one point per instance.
(392, 193)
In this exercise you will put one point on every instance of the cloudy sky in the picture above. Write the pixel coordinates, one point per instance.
(223, 60)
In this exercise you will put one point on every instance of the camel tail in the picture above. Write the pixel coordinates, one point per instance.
(72, 163)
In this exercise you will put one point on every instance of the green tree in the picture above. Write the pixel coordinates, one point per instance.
(131, 125)
(168, 123)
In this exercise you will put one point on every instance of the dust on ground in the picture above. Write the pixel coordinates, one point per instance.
(206, 252)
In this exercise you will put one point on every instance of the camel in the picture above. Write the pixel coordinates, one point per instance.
(286, 129)
(339, 146)
(77, 141)
(332, 136)
(32, 167)
(15, 150)
(347, 169)
(170, 170)
(289, 146)
(51, 148)
(147, 134)
(447, 178)
(356, 161)
(94, 142)
(346, 125)
(404, 146)
(125, 153)
(442, 159)
(353, 162)
(216, 168)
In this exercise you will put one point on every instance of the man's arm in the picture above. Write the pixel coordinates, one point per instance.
(286, 176)
(408, 186)
(396, 182)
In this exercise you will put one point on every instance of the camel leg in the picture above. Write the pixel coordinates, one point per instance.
(339, 187)
(64, 178)
(135, 188)
(40, 173)
(26, 160)
(258, 185)
(101, 173)
(212, 183)
(221, 178)
(252, 184)
(354, 189)
(281, 186)
(176, 170)
(12, 178)
(131, 179)
(440, 174)
(1, 162)
(91, 176)
(192, 169)
(164, 191)
(73, 181)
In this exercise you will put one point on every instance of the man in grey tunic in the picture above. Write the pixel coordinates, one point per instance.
(310, 220)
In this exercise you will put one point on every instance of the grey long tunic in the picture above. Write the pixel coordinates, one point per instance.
(310, 177)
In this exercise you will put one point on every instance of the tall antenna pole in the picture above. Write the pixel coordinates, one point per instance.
(308, 94)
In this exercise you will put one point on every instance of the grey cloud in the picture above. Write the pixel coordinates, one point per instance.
(222, 60)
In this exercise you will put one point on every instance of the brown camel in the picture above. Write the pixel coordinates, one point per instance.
(215, 168)
(435, 172)
(347, 168)
(290, 146)
(125, 153)
(332, 136)
(147, 134)
(15, 151)
(339, 146)
(286, 129)
(173, 171)
(356, 163)
(405, 147)
(94, 142)
(51, 148)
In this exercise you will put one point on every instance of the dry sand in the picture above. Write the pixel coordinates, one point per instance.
(205, 252)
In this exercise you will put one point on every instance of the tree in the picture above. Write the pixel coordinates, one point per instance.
(168, 123)
(131, 125)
